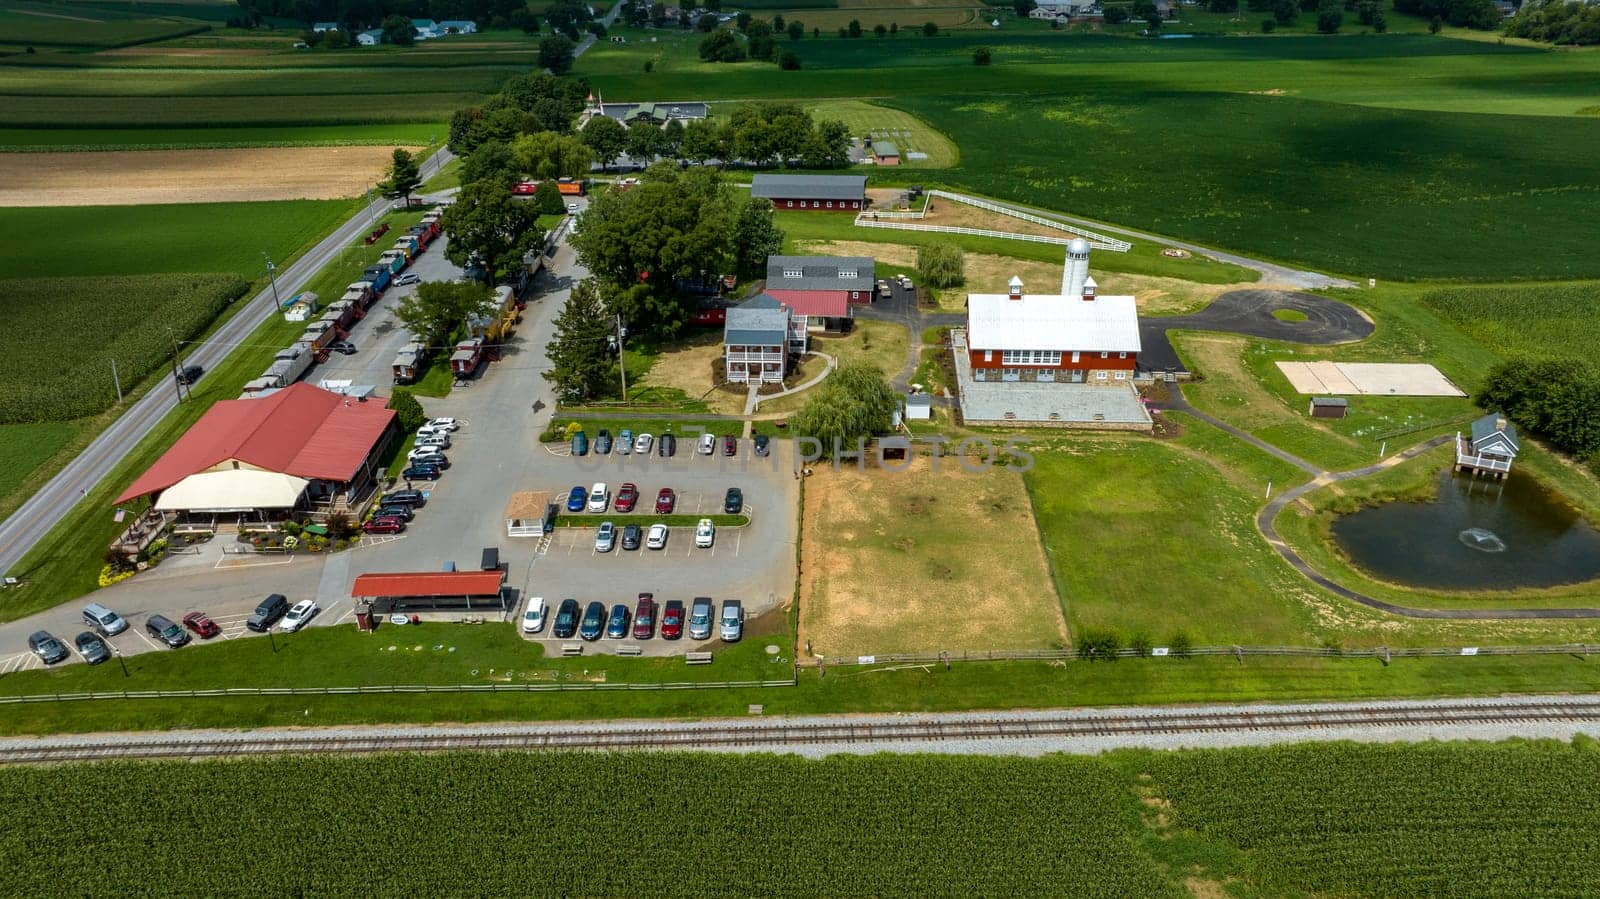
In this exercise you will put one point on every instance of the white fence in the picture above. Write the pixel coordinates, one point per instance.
(1096, 240)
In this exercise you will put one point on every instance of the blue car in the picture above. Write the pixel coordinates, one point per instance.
(577, 498)
(617, 627)
(580, 444)
(594, 621)
(421, 473)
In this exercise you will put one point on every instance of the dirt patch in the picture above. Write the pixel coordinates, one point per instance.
(139, 177)
(687, 367)
(1163, 296)
(923, 561)
(959, 215)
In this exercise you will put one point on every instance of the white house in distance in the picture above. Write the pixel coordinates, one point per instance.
(458, 26)
(757, 339)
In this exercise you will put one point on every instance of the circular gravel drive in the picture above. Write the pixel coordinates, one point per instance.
(1249, 312)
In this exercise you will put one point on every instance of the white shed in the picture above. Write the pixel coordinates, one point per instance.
(530, 514)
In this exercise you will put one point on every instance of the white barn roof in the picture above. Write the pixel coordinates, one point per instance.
(1038, 322)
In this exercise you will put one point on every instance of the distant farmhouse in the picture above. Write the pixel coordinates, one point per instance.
(885, 153)
(824, 192)
(821, 287)
(758, 337)
(654, 113)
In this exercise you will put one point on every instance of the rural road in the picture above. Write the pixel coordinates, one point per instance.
(36, 517)
(1022, 733)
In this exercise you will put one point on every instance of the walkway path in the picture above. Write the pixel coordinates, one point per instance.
(757, 399)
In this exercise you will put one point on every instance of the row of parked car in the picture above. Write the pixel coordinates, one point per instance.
(103, 623)
(597, 499)
(640, 623)
(425, 462)
(666, 447)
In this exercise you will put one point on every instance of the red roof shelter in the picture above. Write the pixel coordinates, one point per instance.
(301, 430)
(826, 303)
(430, 590)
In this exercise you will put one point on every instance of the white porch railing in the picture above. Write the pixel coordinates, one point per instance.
(1482, 463)
(1099, 241)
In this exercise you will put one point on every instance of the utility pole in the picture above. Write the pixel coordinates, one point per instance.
(272, 278)
(116, 379)
(177, 382)
(622, 364)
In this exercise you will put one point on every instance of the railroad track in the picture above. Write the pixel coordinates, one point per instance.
(924, 731)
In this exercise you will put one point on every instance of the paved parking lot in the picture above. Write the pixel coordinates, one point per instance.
(379, 336)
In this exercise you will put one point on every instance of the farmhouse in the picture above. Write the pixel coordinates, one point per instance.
(820, 287)
(758, 336)
(1063, 358)
(838, 192)
(258, 460)
(324, 27)
(885, 153)
(370, 38)
(654, 113)
(1490, 447)
(425, 28)
(458, 26)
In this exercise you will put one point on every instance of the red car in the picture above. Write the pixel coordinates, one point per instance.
(644, 617)
(384, 525)
(627, 496)
(672, 620)
(666, 501)
(730, 446)
(200, 624)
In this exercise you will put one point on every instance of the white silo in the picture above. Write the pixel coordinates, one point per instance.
(1077, 270)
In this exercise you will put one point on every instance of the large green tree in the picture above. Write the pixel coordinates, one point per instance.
(438, 308)
(702, 141)
(580, 358)
(548, 200)
(644, 141)
(545, 154)
(606, 137)
(756, 236)
(489, 226)
(941, 264)
(399, 31)
(407, 410)
(556, 53)
(854, 404)
(492, 161)
(404, 176)
(1558, 399)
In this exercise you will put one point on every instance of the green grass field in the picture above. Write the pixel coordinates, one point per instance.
(1535, 319)
(26, 447)
(73, 241)
(1314, 819)
(413, 134)
(84, 26)
(908, 132)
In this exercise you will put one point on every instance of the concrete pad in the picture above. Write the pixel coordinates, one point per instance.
(1368, 379)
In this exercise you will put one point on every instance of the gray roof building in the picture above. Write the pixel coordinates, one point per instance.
(820, 272)
(759, 321)
(810, 187)
(1496, 434)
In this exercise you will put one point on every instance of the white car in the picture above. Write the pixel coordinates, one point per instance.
(443, 424)
(599, 497)
(439, 440)
(408, 279)
(732, 621)
(657, 538)
(704, 534)
(533, 618)
(303, 611)
(708, 444)
(417, 452)
(605, 539)
(642, 444)
(572, 208)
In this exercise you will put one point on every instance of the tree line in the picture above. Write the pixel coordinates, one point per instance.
(758, 134)
(1556, 399)
(1557, 22)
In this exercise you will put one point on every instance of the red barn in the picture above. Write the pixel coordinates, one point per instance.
(846, 193)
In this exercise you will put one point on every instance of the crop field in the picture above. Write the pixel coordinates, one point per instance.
(82, 26)
(229, 112)
(1330, 819)
(1538, 320)
(71, 241)
(26, 447)
(48, 374)
(396, 134)
(923, 560)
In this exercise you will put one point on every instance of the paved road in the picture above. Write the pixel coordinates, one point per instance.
(1249, 312)
(47, 507)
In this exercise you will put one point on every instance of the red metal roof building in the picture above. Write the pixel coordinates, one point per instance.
(329, 441)
(429, 590)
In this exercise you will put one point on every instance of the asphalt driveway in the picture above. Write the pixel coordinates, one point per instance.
(1249, 312)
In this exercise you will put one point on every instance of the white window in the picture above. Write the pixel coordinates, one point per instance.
(1121, 375)
(793, 273)
(855, 294)
(1074, 356)
(1122, 355)
(1105, 355)
(789, 203)
(830, 204)
(988, 355)
(849, 273)
(1031, 357)
(1099, 376)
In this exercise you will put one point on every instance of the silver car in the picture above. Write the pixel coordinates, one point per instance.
(700, 618)
(606, 539)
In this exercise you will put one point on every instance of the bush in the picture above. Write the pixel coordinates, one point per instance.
(722, 47)
(1140, 643)
(1178, 645)
(1329, 18)
(982, 56)
(941, 265)
(1096, 645)
(1269, 25)
(929, 29)
(789, 61)
(407, 410)
(1116, 15)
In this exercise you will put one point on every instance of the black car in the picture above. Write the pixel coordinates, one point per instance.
(343, 347)
(602, 442)
(667, 446)
(631, 536)
(166, 630)
(594, 621)
(403, 513)
(47, 647)
(267, 614)
(567, 619)
(762, 444)
(93, 649)
(437, 460)
(404, 498)
(422, 473)
(733, 502)
(190, 374)
(617, 627)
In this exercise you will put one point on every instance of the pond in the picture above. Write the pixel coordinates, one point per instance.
(1474, 535)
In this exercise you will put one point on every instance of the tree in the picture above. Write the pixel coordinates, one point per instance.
(548, 200)
(545, 154)
(606, 137)
(672, 138)
(1329, 18)
(1152, 22)
(829, 145)
(438, 308)
(854, 404)
(1285, 11)
(941, 264)
(756, 236)
(644, 141)
(524, 19)
(399, 31)
(982, 56)
(1269, 25)
(407, 411)
(706, 23)
(854, 28)
(894, 28)
(598, 29)
(580, 364)
(336, 40)
(789, 61)
(1434, 24)
(489, 226)
(555, 54)
(929, 29)
(721, 46)
(742, 21)
(778, 24)
(567, 15)
(1023, 7)
(1116, 15)
(1558, 399)
(404, 177)
(702, 141)
(492, 161)
(1380, 22)
(880, 30)
(761, 41)
(797, 30)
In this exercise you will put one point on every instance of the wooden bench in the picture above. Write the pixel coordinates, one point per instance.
(630, 650)
(697, 658)
(572, 649)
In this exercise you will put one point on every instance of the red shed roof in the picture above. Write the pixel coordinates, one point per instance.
(301, 430)
(427, 583)
(835, 303)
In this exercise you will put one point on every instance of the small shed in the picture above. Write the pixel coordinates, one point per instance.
(885, 153)
(530, 514)
(301, 307)
(919, 407)
(1329, 407)
(1490, 447)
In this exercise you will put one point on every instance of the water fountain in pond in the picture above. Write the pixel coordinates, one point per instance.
(1482, 539)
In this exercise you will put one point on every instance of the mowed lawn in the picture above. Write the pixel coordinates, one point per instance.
(138, 240)
(24, 448)
(906, 131)
(923, 561)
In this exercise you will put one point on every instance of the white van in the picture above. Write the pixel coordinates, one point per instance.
(599, 497)
(708, 444)
(533, 618)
